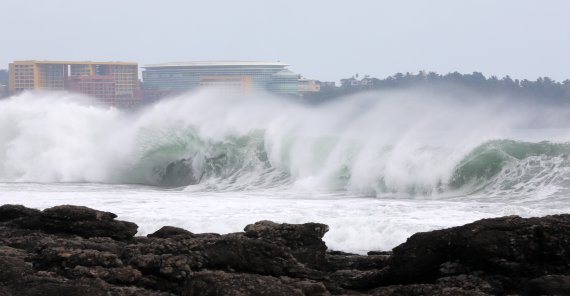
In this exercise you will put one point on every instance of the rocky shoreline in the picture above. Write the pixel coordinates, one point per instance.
(72, 250)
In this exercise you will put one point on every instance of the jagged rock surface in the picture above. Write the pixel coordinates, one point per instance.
(71, 250)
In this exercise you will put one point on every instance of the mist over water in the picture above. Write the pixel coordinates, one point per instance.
(420, 154)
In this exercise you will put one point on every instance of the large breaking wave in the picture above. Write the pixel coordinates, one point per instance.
(416, 143)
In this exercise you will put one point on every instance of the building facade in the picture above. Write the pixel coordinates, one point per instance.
(105, 80)
(247, 76)
(99, 86)
(240, 84)
(307, 85)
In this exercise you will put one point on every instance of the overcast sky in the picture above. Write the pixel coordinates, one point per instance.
(321, 39)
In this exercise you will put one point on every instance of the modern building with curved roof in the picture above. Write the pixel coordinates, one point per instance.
(244, 75)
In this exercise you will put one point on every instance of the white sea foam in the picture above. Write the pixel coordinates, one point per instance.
(357, 224)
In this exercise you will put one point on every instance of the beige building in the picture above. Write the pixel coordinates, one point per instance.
(56, 75)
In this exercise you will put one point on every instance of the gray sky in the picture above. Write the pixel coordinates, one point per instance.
(321, 39)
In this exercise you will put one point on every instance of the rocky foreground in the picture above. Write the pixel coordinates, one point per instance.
(71, 250)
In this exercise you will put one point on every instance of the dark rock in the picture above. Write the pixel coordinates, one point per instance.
(385, 253)
(342, 261)
(25, 239)
(508, 247)
(69, 258)
(10, 212)
(176, 267)
(308, 287)
(423, 290)
(252, 255)
(170, 231)
(357, 279)
(5, 291)
(304, 240)
(451, 268)
(77, 213)
(148, 263)
(550, 285)
(13, 267)
(70, 250)
(214, 283)
(134, 291)
(80, 221)
(114, 275)
(172, 259)
(43, 286)
(471, 283)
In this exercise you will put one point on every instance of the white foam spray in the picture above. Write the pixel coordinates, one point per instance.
(407, 142)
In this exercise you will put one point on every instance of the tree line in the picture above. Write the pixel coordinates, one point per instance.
(543, 88)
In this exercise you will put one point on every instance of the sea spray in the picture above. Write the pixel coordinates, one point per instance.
(410, 143)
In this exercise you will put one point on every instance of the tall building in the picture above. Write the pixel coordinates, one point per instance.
(105, 80)
(244, 75)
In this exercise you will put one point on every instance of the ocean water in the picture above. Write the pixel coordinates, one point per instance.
(376, 167)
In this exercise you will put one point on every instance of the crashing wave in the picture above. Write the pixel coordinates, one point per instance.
(375, 144)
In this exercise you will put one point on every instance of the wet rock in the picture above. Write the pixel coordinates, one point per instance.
(308, 287)
(451, 268)
(134, 291)
(423, 290)
(549, 285)
(170, 231)
(303, 240)
(343, 261)
(77, 220)
(385, 253)
(251, 255)
(5, 291)
(69, 258)
(71, 250)
(214, 283)
(176, 267)
(148, 263)
(25, 239)
(77, 213)
(11, 212)
(471, 283)
(44, 286)
(13, 267)
(115, 275)
(508, 247)
(357, 279)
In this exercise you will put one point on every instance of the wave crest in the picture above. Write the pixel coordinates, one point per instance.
(375, 144)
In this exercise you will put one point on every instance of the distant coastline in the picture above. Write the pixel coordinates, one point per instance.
(543, 90)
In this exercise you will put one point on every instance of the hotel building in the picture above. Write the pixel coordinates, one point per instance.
(105, 80)
(240, 76)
